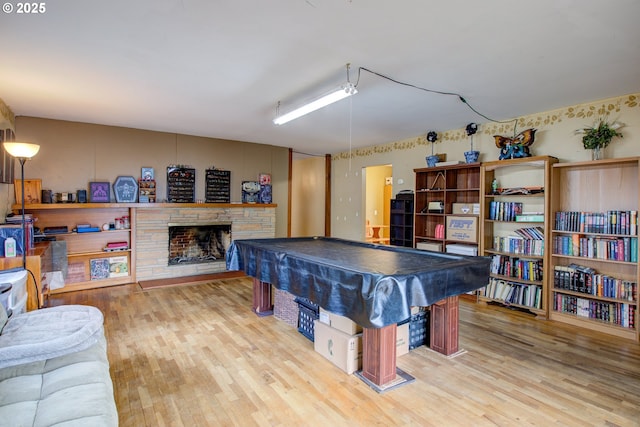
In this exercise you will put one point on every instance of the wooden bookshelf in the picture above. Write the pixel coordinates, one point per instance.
(84, 247)
(448, 185)
(610, 189)
(523, 189)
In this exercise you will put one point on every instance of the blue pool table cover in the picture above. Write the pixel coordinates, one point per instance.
(373, 285)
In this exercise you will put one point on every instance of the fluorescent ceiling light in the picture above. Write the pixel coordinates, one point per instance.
(342, 92)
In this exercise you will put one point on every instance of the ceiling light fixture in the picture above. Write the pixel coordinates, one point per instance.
(335, 95)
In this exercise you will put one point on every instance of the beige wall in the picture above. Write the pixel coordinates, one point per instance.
(73, 154)
(308, 197)
(555, 137)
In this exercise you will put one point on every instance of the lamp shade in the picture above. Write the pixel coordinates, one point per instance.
(24, 150)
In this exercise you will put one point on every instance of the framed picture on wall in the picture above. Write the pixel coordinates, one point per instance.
(99, 192)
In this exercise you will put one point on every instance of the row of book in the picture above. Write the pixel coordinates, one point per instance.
(513, 293)
(504, 211)
(517, 268)
(609, 222)
(108, 267)
(608, 248)
(587, 280)
(620, 314)
(529, 241)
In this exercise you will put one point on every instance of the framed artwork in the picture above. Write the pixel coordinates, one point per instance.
(99, 192)
(147, 174)
(126, 189)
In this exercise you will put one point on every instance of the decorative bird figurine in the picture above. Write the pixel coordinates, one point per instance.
(516, 147)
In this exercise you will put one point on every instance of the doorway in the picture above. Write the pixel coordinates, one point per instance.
(378, 188)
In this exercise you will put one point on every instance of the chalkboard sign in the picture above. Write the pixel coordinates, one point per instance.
(181, 185)
(218, 186)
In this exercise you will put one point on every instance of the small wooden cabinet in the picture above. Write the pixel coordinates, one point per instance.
(88, 249)
(147, 190)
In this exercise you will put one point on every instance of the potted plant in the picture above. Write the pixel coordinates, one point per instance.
(599, 136)
(472, 155)
(432, 137)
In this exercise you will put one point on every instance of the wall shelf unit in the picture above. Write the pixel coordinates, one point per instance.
(83, 248)
(444, 186)
(515, 229)
(594, 264)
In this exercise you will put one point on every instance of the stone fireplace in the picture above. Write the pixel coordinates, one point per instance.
(198, 243)
(152, 229)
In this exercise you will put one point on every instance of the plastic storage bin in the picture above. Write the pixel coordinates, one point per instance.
(17, 301)
(307, 313)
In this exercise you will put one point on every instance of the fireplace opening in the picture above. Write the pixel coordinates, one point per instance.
(198, 243)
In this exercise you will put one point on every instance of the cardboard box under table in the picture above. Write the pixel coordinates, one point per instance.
(341, 349)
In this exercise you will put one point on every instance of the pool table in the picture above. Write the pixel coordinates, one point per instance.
(373, 285)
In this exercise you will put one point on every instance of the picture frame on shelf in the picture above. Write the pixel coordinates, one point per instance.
(125, 189)
(99, 192)
(32, 190)
(147, 174)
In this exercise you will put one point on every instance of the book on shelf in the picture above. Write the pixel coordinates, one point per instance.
(449, 163)
(523, 294)
(619, 314)
(118, 266)
(532, 217)
(623, 222)
(578, 278)
(99, 268)
(605, 248)
(504, 211)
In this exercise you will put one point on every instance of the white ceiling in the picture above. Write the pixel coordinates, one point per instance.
(217, 68)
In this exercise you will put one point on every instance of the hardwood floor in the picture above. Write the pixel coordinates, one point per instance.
(198, 356)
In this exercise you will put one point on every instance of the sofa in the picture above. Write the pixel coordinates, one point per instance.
(54, 369)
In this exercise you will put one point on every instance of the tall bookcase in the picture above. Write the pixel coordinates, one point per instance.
(439, 192)
(594, 263)
(515, 230)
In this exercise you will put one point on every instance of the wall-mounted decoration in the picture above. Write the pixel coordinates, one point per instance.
(7, 164)
(125, 189)
(99, 192)
(516, 147)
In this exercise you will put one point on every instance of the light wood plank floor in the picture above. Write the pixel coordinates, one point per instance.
(197, 356)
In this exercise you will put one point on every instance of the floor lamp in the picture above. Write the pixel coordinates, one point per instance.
(22, 151)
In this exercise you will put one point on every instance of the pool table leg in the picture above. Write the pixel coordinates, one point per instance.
(444, 326)
(379, 354)
(262, 298)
